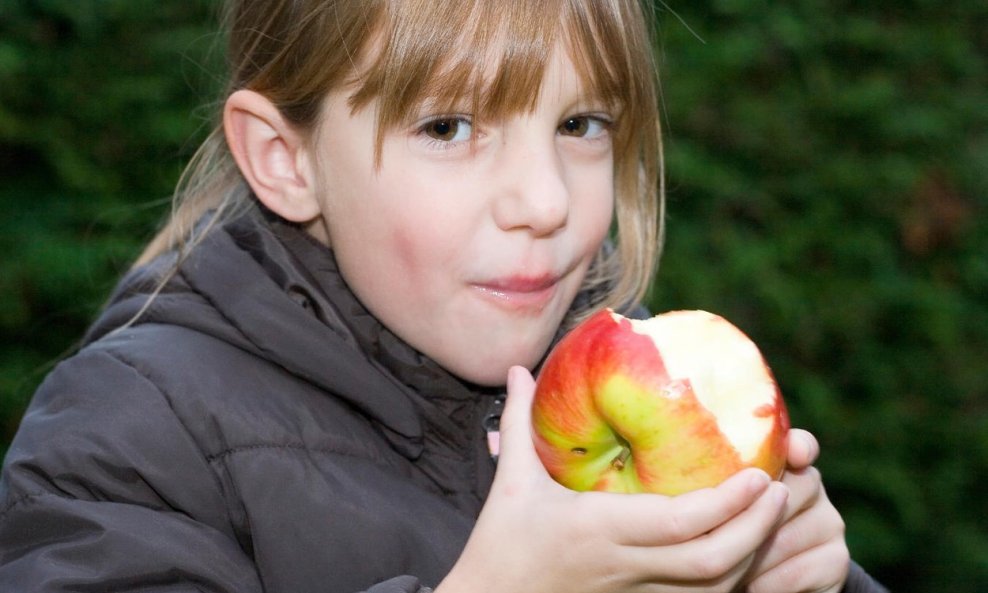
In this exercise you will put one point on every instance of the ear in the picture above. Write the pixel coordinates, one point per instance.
(272, 156)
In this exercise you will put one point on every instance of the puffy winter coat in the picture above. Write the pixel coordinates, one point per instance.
(255, 429)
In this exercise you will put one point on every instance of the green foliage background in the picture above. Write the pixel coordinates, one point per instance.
(827, 192)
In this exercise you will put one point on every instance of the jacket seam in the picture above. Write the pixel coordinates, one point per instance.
(117, 356)
(292, 447)
(31, 497)
(208, 457)
(24, 499)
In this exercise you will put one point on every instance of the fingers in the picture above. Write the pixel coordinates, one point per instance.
(654, 520)
(821, 569)
(803, 449)
(814, 523)
(808, 551)
(727, 550)
(805, 490)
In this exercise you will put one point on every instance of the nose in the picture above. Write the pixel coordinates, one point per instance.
(534, 193)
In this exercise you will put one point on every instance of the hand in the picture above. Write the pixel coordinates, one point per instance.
(807, 553)
(534, 535)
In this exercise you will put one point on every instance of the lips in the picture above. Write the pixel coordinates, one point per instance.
(520, 292)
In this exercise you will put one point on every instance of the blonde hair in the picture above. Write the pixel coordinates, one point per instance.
(295, 52)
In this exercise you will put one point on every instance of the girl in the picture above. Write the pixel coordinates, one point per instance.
(405, 204)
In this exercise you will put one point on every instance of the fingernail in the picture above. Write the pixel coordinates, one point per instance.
(779, 493)
(758, 481)
(810, 444)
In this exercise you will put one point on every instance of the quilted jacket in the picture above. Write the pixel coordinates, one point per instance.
(255, 429)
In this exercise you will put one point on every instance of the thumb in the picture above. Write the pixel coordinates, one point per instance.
(803, 449)
(517, 447)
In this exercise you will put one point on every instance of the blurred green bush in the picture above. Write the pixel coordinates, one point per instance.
(100, 104)
(827, 192)
(828, 181)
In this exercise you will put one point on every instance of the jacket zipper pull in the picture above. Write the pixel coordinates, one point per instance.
(492, 426)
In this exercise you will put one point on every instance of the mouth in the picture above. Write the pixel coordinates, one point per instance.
(530, 293)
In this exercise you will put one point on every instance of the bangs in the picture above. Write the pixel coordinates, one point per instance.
(491, 57)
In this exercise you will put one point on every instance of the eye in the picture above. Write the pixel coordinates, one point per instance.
(448, 129)
(584, 126)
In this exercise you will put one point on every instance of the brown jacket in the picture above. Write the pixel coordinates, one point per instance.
(256, 430)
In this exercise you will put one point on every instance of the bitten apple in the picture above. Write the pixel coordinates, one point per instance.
(666, 405)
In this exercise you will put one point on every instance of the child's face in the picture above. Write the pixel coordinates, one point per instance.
(470, 252)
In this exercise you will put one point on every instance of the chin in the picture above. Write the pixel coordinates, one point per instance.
(492, 375)
(491, 372)
(498, 347)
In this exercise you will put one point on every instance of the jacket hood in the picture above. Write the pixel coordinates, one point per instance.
(253, 283)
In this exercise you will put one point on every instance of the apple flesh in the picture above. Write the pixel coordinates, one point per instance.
(666, 405)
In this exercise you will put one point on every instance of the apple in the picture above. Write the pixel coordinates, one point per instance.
(666, 405)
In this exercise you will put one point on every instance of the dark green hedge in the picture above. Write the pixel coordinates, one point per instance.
(827, 192)
(100, 103)
(828, 179)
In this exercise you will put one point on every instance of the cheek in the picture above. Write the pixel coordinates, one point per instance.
(595, 209)
(417, 250)
(407, 248)
(428, 228)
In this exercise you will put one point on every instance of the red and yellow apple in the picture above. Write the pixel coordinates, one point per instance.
(666, 405)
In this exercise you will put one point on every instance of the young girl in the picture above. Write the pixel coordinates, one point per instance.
(405, 204)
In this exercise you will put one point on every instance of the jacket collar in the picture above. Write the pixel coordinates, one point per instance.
(266, 301)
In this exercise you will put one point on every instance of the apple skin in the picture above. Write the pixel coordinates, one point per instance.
(668, 405)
